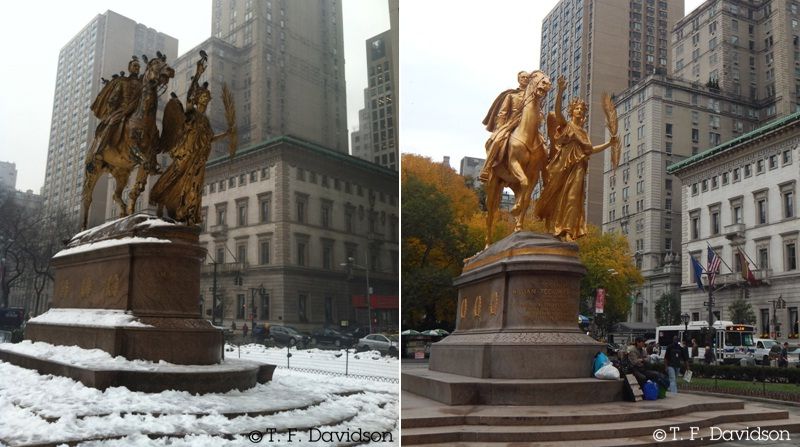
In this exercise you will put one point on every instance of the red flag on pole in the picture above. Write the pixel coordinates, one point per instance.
(747, 274)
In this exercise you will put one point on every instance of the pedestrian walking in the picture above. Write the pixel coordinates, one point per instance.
(675, 355)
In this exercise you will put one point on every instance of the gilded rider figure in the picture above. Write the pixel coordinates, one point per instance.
(116, 102)
(502, 118)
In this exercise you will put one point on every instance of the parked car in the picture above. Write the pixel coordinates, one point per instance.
(763, 346)
(287, 336)
(330, 336)
(386, 344)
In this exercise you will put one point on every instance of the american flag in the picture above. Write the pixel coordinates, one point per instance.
(713, 266)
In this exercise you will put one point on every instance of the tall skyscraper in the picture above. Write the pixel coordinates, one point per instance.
(102, 48)
(284, 64)
(605, 46)
(376, 137)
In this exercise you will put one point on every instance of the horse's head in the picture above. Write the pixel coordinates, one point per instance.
(538, 85)
(158, 72)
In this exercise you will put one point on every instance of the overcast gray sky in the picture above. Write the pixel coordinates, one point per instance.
(33, 32)
(455, 59)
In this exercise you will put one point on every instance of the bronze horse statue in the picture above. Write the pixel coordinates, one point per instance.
(137, 144)
(523, 157)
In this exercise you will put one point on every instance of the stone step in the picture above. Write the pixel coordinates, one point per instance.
(561, 415)
(586, 432)
(684, 438)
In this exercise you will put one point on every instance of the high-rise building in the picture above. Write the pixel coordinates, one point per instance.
(376, 137)
(745, 48)
(101, 49)
(605, 46)
(8, 175)
(662, 120)
(470, 167)
(284, 65)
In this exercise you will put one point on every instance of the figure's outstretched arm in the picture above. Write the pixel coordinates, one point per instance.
(605, 146)
(562, 85)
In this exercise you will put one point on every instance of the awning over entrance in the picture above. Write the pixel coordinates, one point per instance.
(377, 301)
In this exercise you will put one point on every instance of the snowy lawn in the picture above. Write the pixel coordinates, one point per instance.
(39, 409)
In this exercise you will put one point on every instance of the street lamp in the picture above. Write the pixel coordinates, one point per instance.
(685, 319)
(352, 263)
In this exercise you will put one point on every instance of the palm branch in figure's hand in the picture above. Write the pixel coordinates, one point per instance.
(612, 124)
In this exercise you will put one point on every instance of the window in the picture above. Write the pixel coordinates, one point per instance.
(241, 253)
(263, 252)
(761, 206)
(695, 135)
(725, 177)
(264, 206)
(301, 200)
(787, 156)
(748, 170)
(760, 166)
(736, 175)
(220, 255)
(736, 210)
(787, 196)
(765, 323)
(763, 257)
(326, 213)
(773, 161)
(715, 226)
(302, 246)
(669, 129)
(694, 219)
(327, 254)
(221, 214)
(241, 215)
(240, 306)
(264, 315)
(790, 250)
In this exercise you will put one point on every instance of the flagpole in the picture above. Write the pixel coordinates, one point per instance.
(720, 257)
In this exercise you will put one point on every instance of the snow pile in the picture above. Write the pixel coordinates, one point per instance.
(48, 409)
(101, 360)
(89, 317)
(110, 243)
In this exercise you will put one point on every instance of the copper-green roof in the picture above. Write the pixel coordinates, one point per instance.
(752, 135)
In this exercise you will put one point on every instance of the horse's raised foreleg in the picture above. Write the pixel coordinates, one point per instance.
(92, 175)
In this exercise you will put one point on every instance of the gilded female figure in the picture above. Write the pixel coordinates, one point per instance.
(561, 204)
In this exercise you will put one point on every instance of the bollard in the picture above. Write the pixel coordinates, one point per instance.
(239, 347)
(346, 360)
(288, 356)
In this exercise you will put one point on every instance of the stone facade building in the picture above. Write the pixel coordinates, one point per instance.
(742, 195)
(287, 215)
(662, 120)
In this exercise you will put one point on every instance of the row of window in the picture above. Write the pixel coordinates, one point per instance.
(746, 171)
(737, 211)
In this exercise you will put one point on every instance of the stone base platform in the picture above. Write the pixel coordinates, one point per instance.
(197, 379)
(184, 341)
(429, 423)
(454, 389)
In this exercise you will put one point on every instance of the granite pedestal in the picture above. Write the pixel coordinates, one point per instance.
(517, 320)
(147, 269)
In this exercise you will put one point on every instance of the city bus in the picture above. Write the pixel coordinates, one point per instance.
(732, 342)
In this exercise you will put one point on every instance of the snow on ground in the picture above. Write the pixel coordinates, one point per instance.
(89, 317)
(369, 363)
(43, 408)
